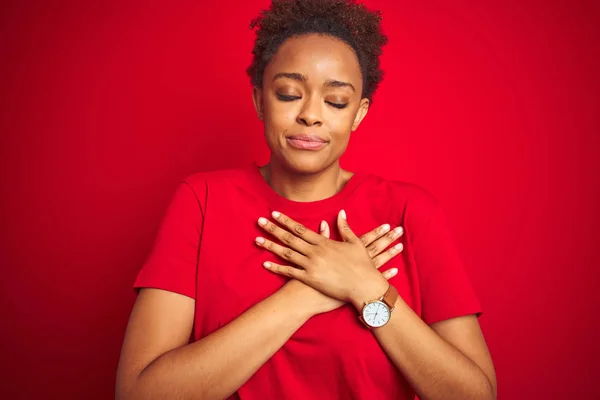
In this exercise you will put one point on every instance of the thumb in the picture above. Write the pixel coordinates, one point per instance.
(344, 228)
(324, 229)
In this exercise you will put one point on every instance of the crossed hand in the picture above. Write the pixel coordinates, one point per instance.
(342, 271)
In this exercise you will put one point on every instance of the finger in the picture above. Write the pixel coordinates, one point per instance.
(285, 237)
(297, 229)
(324, 228)
(344, 228)
(284, 252)
(382, 243)
(390, 273)
(285, 270)
(388, 255)
(375, 234)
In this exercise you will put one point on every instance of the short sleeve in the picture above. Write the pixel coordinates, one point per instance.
(172, 263)
(446, 291)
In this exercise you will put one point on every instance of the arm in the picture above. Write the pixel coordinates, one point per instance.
(443, 356)
(447, 360)
(156, 361)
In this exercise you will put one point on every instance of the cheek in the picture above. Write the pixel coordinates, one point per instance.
(277, 120)
(340, 142)
(340, 125)
(341, 121)
(279, 109)
(279, 116)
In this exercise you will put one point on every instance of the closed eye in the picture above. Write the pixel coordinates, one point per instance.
(285, 97)
(337, 105)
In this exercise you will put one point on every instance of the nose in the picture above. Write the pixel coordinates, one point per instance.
(310, 114)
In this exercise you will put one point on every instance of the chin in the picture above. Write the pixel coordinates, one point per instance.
(305, 165)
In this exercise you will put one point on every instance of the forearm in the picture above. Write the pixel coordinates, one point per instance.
(216, 366)
(433, 367)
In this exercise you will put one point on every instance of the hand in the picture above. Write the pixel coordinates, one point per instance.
(376, 243)
(342, 270)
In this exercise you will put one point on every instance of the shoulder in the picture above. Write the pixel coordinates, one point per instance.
(412, 196)
(200, 181)
(193, 190)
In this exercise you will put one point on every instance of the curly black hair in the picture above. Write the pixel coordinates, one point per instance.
(344, 19)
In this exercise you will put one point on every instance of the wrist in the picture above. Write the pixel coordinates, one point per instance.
(372, 291)
(294, 293)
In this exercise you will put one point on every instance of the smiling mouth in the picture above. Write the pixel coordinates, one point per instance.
(307, 138)
(306, 143)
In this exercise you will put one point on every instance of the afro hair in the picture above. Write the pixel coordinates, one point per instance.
(343, 19)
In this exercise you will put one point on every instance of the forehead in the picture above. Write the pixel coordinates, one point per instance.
(317, 56)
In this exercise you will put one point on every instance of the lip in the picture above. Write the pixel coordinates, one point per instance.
(306, 142)
(308, 138)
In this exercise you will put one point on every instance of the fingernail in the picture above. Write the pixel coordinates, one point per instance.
(398, 230)
(276, 214)
(394, 271)
(267, 264)
(260, 240)
(398, 247)
(322, 226)
(343, 214)
(262, 221)
(385, 228)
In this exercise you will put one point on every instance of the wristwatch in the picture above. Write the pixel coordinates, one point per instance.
(377, 313)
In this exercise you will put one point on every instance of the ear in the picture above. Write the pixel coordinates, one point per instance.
(363, 108)
(257, 99)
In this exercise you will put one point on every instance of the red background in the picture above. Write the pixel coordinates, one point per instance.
(492, 106)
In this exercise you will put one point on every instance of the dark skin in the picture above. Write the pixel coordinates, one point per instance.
(305, 101)
(156, 359)
(448, 359)
(313, 85)
(304, 93)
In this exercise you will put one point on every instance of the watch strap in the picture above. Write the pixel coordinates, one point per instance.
(390, 297)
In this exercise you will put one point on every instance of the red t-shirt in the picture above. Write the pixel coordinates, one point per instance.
(205, 250)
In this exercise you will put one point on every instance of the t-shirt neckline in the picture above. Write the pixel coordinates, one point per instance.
(277, 202)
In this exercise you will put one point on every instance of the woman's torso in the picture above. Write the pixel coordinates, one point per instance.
(333, 355)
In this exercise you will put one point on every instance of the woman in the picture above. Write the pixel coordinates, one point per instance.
(273, 271)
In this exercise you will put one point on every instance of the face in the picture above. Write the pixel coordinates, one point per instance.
(310, 102)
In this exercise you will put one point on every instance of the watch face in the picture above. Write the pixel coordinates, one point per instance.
(376, 314)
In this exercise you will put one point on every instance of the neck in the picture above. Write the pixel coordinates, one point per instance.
(305, 187)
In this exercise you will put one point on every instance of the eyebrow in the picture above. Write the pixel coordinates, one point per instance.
(334, 83)
(302, 78)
